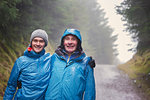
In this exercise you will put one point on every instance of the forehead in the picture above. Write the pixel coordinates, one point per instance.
(38, 38)
(71, 36)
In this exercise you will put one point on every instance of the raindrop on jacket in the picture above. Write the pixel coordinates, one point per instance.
(33, 71)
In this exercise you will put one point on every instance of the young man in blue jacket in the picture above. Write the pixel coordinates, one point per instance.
(31, 72)
(72, 78)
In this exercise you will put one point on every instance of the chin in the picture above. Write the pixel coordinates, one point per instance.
(71, 51)
(38, 51)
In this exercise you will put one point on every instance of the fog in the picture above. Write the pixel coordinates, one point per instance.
(124, 40)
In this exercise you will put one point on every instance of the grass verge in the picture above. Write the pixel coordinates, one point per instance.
(138, 69)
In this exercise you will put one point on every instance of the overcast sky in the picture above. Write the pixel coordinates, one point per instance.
(116, 23)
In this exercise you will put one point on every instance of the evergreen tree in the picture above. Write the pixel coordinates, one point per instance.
(137, 15)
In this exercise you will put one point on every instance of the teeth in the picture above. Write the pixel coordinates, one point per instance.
(70, 46)
(38, 47)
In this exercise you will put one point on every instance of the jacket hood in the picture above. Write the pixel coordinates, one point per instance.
(73, 32)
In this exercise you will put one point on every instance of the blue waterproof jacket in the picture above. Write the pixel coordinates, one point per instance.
(33, 71)
(71, 78)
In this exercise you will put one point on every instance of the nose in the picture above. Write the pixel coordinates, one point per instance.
(69, 41)
(38, 42)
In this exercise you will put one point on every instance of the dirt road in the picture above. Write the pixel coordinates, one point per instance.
(112, 84)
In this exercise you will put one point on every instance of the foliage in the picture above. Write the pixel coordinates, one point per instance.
(8, 56)
(101, 34)
(138, 70)
(137, 15)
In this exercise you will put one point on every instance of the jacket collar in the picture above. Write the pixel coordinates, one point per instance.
(33, 54)
(76, 56)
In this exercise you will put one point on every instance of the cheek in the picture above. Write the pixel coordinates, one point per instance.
(43, 44)
(76, 43)
(64, 43)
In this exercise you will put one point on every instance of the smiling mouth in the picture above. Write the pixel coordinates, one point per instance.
(70, 46)
(38, 47)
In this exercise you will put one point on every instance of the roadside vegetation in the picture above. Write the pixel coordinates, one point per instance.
(138, 69)
(136, 14)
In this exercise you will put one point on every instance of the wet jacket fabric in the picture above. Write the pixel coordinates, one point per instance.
(72, 80)
(33, 71)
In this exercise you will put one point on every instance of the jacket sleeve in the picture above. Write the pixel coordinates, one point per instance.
(90, 85)
(12, 83)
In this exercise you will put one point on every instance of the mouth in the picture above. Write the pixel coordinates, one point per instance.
(70, 46)
(38, 47)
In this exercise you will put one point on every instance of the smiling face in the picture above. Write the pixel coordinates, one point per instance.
(38, 44)
(70, 43)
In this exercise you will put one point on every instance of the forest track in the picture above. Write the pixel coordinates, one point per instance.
(112, 84)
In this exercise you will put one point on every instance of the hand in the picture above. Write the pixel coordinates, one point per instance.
(92, 62)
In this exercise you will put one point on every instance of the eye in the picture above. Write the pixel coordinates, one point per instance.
(41, 41)
(67, 38)
(35, 40)
(74, 39)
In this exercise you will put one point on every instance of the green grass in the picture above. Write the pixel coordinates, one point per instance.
(137, 69)
(7, 57)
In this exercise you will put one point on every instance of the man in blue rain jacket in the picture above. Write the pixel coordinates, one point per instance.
(71, 77)
(31, 72)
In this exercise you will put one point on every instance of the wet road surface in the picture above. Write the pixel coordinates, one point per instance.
(112, 84)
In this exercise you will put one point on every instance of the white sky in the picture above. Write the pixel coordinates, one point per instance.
(116, 23)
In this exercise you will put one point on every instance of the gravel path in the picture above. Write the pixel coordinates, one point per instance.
(112, 84)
